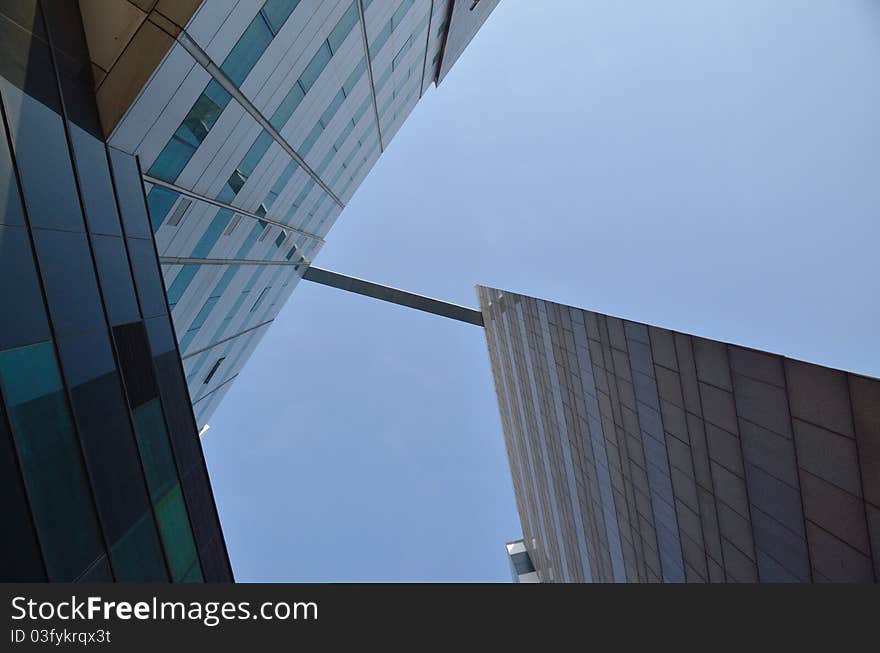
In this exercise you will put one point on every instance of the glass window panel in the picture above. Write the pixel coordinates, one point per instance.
(212, 233)
(172, 160)
(315, 67)
(95, 182)
(255, 153)
(101, 416)
(331, 110)
(152, 439)
(400, 12)
(277, 12)
(201, 118)
(288, 106)
(160, 335)
(69, 279)
(250, 47)
(355, 77)
(178, 412)
(137, 556)
(10, 199)
(130, 193)
(311, 139)
(24, 314)
(219, 95)
(146, 275)
(343, 27)
(43, 158)
(380, 40)
(50, 459)
(20, 558)
(176, 533)
(159, 202)
(115, 276)
(181, 283)
(135, 363)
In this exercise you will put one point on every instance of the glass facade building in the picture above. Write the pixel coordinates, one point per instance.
(254, 128)
(640, 454)
(102, 472)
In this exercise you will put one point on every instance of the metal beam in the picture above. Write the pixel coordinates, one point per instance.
(182, 260)
(394, 295)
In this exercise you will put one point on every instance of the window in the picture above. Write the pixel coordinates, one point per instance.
(115, 276)
(130, 193)
(10, 199)
(177, 216)
(155, 448)
(69, 280)
(214, 369)
(20, 287)
(40, 147)
(176, 532)
(276, 12)
(159, 202)
(137, 555)
(51, 463)
(281, 238)
(315, 67)
(148, 281)
(343, 27)
(94, 182)
(250, 47)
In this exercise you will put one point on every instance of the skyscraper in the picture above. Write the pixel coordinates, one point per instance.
(643, 454)
(254, 123)
(168, 171)
(100, 466)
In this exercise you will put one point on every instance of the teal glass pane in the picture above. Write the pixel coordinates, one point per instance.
(181, 283)
(331, 110)
(278, 11)
(155, 448)
(400, 12)
(342, 136)
(250, 47)
(355, 77)
(249, 241)
(51, 463)
(172, 159)
(315, 67)
(380, 40)
(343, 27)
(199, 120)
(219, 96)
(380, 83)
(159, 203)
(311, 139)
(137, 555)
(209, 238)
(174, 527)
(288, 106)
(255, 153)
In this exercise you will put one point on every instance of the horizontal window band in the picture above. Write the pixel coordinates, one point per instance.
(223, 205)
(184, 260)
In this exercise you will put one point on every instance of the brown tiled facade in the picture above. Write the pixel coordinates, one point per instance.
(641, 454)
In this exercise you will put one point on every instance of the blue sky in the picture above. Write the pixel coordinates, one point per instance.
(702, 165)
